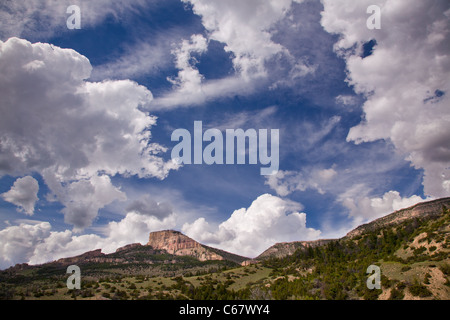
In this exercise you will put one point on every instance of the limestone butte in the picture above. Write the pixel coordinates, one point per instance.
(176, 243)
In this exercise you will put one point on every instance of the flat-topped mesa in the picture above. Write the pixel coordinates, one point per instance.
(171, 241)
(176, 243)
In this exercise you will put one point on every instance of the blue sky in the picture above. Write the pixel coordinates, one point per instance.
(85, 142)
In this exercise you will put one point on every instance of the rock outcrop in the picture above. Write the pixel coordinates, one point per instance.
(417, 211)
(176, 243)
(128, 247)
(90, 256)
(171, 241)
(283, 249)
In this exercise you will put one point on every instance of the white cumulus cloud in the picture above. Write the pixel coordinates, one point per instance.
(23, 194)
(249, 231)
(73, 132)
(17, 243)
(364, 208)
(244, 27)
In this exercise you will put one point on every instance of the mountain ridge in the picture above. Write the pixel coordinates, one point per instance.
(418, 210)
(176, 243)
(411, 246)
(171, 242)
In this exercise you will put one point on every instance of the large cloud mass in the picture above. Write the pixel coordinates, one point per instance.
(249, 231)
(75, 133)
(17, 242)
(405, 79)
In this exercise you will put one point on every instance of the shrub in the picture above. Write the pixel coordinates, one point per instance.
(427, 278)
(405, 268)
(419, 251)
(401, 286)
(371, 294)
(106, 295)
(396, 294)
(419, 290)
(445, 269)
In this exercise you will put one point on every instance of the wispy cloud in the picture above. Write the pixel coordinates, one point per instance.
(258, 61)
(138, 60)
(204, 92)
(43, 19)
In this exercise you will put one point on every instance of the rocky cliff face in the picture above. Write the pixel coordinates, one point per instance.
(85, 257)
(284, 249)
(176, 243)
(420, 210)
(128, 247)
(171, 241)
